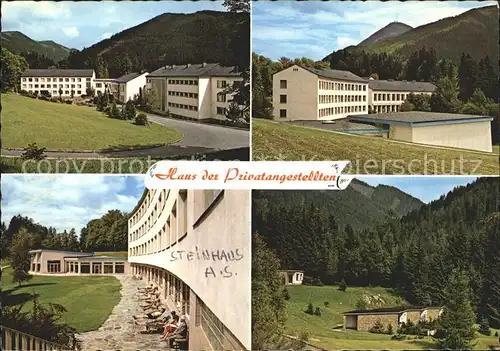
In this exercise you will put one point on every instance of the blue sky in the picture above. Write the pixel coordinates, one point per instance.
(423, 188)
(82, 24)
(316, 28)
(68, 201)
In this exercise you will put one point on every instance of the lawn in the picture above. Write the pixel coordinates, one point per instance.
(63, 127)
(368, 155)
(320, 329)
(88, 300)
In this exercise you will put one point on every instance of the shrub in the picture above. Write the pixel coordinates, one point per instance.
(114, 112)
(326, 303)
(90, 92)
(24, 93)
(44, 98)
(378, 328)
(54, 99)
(69, 102)
(390, 331)
(129, 110)
(141, 119)
(361, 304)
(317, 311)
(496, 333)
(398, 337)
(286, 295)
(33, 152)
(342, 285)
(45, 93)
(310, 308)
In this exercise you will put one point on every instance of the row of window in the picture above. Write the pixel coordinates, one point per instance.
(183, 81)
(330, 99)
(56, 92)
(175, 226)
(221, 111)
(153, 215)
(183, 106)
(327, 85)
(54, 79)
(389, 97)
(53, 86)
(385, 108)
(183, 94)
(330, 111)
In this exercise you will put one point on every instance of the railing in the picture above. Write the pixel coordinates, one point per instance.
(16, 340)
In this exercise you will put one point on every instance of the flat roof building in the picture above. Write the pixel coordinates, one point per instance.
(292, 277)
(45, 261)
(364, 320)
(193, 91)
(441, 129)
(194, 245)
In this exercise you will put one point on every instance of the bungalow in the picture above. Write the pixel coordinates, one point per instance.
(441, 129)
(364, 320)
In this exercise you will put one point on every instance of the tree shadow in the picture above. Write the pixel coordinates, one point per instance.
(425, 344)
(17, 299)
(30, 285)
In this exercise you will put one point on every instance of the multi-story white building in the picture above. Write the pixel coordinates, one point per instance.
(389, 95)
(304, 93)
(195, 246)
(68, 82)
(123, 88)
(194, 91)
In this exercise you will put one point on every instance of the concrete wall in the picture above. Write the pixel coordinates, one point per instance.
(73, 83)
(44, 256)
(223, 285)
(204, 97)
(413, 316)
(403, 133)
(474, 136)
(433, 313)
(214, 90)
(302, 94)
(350, 322)
(367, 321)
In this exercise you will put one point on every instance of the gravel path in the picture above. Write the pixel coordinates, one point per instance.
(119, 332)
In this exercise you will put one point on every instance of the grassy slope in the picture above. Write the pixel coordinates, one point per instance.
(68, 127)
(88, 300)
(320, 328)
(368, 155)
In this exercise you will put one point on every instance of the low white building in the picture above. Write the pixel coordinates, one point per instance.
(305, 93)
(123, 88)
(454, 130)
(292, 277)
(194, 245)
(193, 91)
(389, 95)
(58, 82)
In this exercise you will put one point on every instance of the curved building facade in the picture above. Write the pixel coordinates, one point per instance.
(195, 246)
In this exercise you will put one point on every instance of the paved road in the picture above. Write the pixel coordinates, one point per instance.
(198, 138)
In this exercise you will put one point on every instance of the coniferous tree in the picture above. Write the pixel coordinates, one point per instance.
(19, 256)
(458, 318)
(467, 75)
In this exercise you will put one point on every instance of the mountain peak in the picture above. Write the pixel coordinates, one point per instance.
(391, 30)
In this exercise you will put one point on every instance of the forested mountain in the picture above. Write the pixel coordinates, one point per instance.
(170, 38)
(108, 233)
(391, 30)
(474, 32)
(18, 43)
(415, 255)
(360, 205)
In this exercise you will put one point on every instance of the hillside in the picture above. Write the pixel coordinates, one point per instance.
(474, 32)
(391, 30)
(17, 42)
(204, 36)
(360, 205)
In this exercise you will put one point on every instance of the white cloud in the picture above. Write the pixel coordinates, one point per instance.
(346, 41)
(67, 201)
(106, 35)
(38, 9)
(71, 32)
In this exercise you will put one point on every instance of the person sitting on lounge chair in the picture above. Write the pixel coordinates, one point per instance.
(170, 328)
(162, 320)
(179, 335)
(152, 315)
